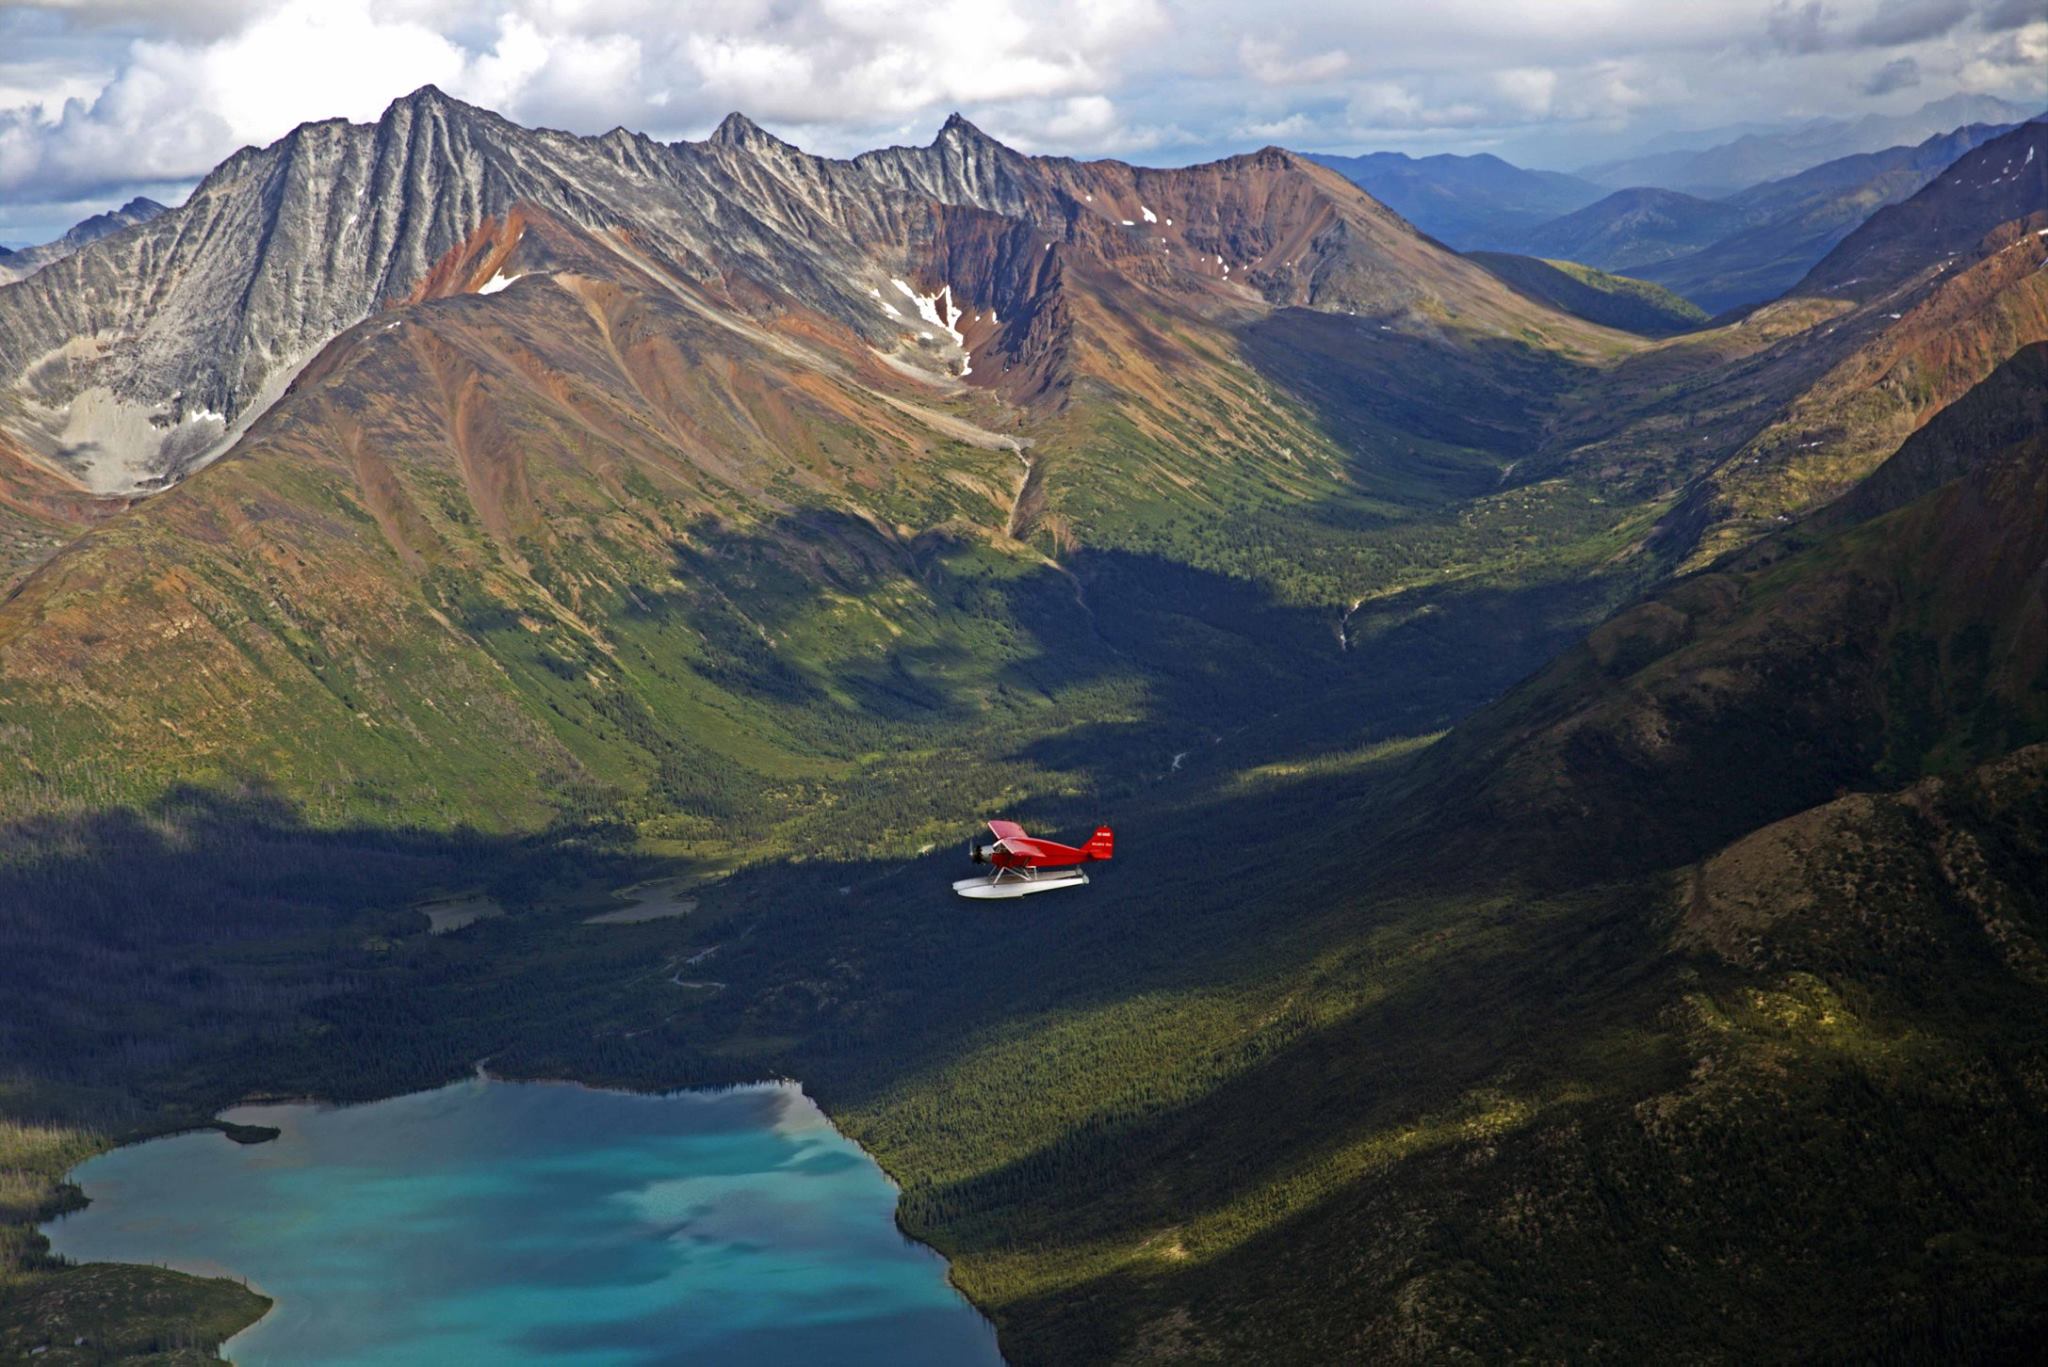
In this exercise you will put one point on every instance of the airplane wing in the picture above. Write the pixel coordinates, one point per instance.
(1006, 831)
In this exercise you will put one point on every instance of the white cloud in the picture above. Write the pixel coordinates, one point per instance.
(1269, 64)
(304, 55)
(97, 96)
(1376, 104)
(1288, 129)
(1083, 116)
(197, 84)
(2000, 15)
(175, 107)
(1089, 121)
(1528, 90)
(1900, 73)
(1798, 28)
(1909, 21)
(2020, 52)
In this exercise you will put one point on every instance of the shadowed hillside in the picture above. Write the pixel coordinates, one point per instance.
(1610, 300)
(1908, 639)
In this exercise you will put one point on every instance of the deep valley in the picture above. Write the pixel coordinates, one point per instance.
(1577, 764)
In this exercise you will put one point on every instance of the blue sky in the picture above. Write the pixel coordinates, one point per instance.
(101, 99)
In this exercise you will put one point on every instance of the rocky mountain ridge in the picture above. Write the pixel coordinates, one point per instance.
(26, 261)
(141, 358)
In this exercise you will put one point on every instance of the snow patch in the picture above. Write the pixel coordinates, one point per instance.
(498, 282)
(1150, 217)
(937, 309)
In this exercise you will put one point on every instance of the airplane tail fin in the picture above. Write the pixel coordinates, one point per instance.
(1101, 845)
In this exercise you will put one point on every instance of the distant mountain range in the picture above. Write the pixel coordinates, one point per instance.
(1752, 245)
(1751, 158)
(1723, 227)
(1792, 223)
(1464, 202)
(14, 265)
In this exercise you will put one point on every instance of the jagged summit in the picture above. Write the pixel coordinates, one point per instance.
(736, 130)
(429, 105)
(428, 94)
(958, 128)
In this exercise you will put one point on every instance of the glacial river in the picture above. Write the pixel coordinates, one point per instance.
(498, 1222)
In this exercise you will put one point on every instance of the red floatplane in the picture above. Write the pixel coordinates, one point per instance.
(1021, 864)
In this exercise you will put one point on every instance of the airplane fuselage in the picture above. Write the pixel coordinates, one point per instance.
(1012, 849)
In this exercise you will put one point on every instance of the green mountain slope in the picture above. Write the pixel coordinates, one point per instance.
(1397, 1063)
(1365, 1074)
(1609, 300)
(673, 552)
(1201, 1122)
(1899, 643)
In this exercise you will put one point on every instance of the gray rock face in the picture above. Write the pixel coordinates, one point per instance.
(139, 357)
(966, 166)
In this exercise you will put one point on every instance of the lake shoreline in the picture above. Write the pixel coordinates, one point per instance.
(205, 1268)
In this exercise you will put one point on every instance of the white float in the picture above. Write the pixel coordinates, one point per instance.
(1020, 882)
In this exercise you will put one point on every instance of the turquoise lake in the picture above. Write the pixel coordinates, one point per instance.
(498, 1222)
